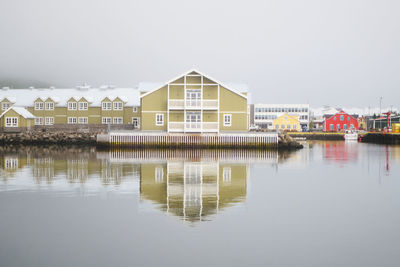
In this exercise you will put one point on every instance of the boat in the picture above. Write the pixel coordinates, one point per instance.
(350, 135)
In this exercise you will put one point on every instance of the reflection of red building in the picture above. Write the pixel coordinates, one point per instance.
(340, 121)
(340, 151)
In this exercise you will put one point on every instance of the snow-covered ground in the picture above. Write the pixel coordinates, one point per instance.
(361, 111)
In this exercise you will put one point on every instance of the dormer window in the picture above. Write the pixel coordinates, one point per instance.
(39, 105)
(71, 105)
(49, 106)
(118, 105)
(83, 106)
(5, 105)
(134, 109)
(106, 106)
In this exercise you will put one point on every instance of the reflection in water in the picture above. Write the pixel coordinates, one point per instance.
(191, 184)
(340, 151)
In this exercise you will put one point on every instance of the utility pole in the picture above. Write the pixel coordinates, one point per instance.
(380, 106)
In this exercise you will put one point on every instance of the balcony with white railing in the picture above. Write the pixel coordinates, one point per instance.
(194, 127)
(209, 104)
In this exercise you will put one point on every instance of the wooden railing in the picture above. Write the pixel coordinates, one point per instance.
(193, 127)
(193, 104)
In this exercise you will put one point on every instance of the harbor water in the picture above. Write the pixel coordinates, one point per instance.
(333, 203)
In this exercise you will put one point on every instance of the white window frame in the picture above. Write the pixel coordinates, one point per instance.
(83, 106)
(5, 105)
(106, 105)
(11, 121)
(106, 120)
(39, 121)
(72, 106)
(159, 119)
(49, 120)
(134, 109)
(136, 122)
(49, 105)
(71, 120)
(118, 120)
(227, 123)
(118, 105)
(39, 105)
(83, 120)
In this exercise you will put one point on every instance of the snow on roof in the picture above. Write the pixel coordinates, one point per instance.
(149, 87)
(26, 97)
(21, 111)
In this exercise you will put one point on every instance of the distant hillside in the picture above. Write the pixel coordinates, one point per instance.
(23, 83)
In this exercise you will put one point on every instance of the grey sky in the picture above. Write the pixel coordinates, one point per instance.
(343, 52)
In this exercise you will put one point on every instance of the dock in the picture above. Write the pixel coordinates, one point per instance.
(141, 139)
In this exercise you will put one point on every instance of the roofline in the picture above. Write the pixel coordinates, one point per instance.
(12, 107)
(186, 73)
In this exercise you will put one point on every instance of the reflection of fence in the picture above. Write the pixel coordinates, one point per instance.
(223, 155)
(163, 139)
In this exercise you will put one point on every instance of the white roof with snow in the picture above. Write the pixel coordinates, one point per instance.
(26, 97)
(149, 87)
(21, 111)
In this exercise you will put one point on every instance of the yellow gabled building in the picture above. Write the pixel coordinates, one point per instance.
(287, 122)
(193, 103)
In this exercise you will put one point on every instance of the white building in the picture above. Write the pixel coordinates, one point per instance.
(264, 114)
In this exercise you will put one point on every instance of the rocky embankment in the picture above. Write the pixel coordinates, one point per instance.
(287, 142)
(45, 138)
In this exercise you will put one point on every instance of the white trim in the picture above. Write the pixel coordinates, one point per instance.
(185, 74)
(71, 105)
(49, 103)
(233, 112)
(118, 120)
(49, 121)
(118, 105)
(85, 106)
(38, 105)
(72, 120)
(155, 111)
(83, 120)
(106, 120)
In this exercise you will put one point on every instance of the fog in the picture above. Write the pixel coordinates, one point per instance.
(340, 52)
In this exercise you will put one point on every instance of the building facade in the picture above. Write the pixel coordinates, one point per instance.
(193, 103)
(16, 118)
(287, 122)
(76, 106)
(265, 114)
(339, 122)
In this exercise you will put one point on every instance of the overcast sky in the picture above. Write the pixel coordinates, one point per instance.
(339, 52)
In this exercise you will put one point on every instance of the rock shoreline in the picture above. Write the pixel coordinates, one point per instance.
(46, 138)
(287, 142)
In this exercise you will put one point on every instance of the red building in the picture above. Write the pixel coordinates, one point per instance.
(339, 122)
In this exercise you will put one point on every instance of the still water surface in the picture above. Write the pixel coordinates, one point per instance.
(329, 204)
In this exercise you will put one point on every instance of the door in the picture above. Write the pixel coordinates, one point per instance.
(193, 121)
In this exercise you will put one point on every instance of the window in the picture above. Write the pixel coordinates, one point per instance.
(348, 118)
(277, 126)
(282, 126)
(345, 126)
(294, 126)
(83, 120)
(5, 105)
(49, 106)
(159, 119)
(106, 106)
(159, 175)
(105, 120)
(135, 122)
(49, 120)
(334, 118)
(288, 126)
(351, 126)
(11, 122)
(39, 106)
(226, 175)
(38, 121)
(134, 109)
(117, 105)
(72, 120)
(338, 127)
(227, 120)
(11, 163)
(341, 117)
(117, 120)
(331, 127)
(71, 105)
(83, 105)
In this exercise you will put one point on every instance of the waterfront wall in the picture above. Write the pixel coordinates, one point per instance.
(318, 135)
(381, 138)
(44, 138)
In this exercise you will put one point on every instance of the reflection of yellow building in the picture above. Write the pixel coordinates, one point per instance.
(193, 190)
(287, 122)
